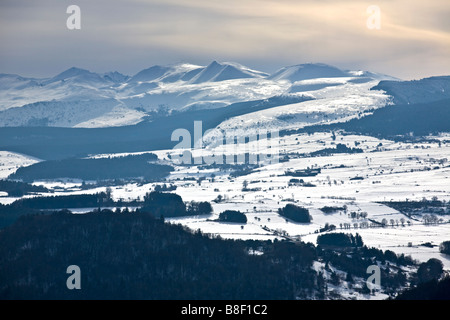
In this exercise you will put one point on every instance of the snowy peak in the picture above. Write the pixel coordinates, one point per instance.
(215, 72)
(372, 75)
(77, 75)
(72, 72)
(150, 74)
(115, 77)
(13, 81)
(183, 71)
(208, 73)
(116, 99)
(308, 71)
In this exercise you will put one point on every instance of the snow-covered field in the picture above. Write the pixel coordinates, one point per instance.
(355, 184)
(393, 171)
(389, 171)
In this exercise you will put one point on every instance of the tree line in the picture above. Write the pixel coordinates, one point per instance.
(132, 166)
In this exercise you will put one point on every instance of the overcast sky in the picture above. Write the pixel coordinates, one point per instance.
(128, 36)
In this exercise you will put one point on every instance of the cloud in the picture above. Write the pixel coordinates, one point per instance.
(414, 40)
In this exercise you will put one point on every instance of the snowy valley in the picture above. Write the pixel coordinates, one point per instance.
(352, 177)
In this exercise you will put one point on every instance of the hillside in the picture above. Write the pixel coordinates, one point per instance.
(357, 177)
(137, 257)
(417, 91)
(411, 119)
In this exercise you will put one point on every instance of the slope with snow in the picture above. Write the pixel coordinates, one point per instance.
(10, 162)
(388, 171)
(392, 171)
(308, 71)
(81, 98)
(172, 73)
(64, 114)
(332, 101)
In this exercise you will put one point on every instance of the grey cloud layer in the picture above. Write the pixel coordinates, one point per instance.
(129, 35)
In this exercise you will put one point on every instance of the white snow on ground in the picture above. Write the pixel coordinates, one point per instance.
(397, 240)
(333, 103)
(344, 289)
(384, 171)
(118, 116)
(90, 113)
(10, 162)
(390, 171)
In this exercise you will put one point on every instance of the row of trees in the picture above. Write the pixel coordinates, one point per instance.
(127, 167)
(340, 240)
(168, 205)
(295, 213)
(233, 216)
(19, 189)
(330, 209)
(431, 219)
(172, 205)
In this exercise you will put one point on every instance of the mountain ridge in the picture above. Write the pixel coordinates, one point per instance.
(115, 99)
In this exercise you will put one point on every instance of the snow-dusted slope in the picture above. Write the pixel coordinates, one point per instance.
(71, 85)
(58, 113)
(77, 75)
(196, 74)
(172, 73)
(11, 161)
(81, 98)
(335, 99)
(308, 71)
(226, 71)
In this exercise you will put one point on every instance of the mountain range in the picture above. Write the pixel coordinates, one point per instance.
(356, 139)
(81, 98)
(79, 112)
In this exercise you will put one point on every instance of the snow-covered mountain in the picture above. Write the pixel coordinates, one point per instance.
(216, 72)
(190, 73)
(77, 75)
(308, 71)
(166, 73)
(369, 149)
(81, 98)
